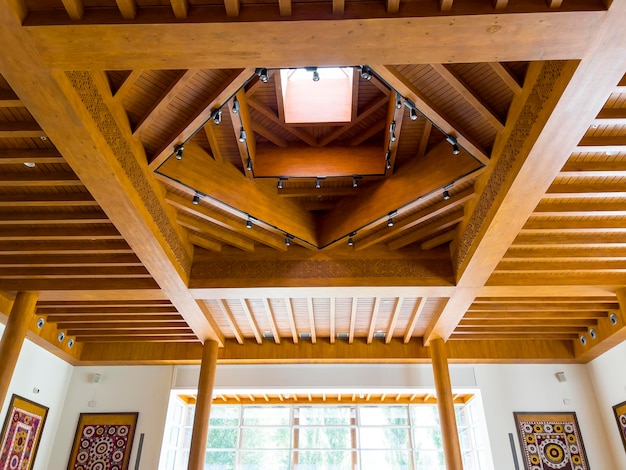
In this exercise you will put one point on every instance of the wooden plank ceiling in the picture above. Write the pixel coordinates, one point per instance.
(333, 241)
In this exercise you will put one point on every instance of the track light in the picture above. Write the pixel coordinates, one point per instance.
(249, 164)
(398, 101)
(392, 131)
(235, 105)
(288, 239)
(455, 145)
(413, 114)
(263, 75)
(390, 218)
(351, 239)
(388, 162)
(242, 135)
(355, 182)
(196, 199)
(316, 76)
(217, 116)
(446, 195)
(366, 73)
(318, 183)
(249, 222)
(178, 151)
(279, 185)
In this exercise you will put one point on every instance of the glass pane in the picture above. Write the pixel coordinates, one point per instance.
(222, 438)
(330, 460)
(173, 440)
(219, 461)
(266, 416)
(325, 438)
(384, 438)
(465, 439)
(383, 415)
(469, 461)
(224, 416)
(186, 438)
(264, 460)
(424, 415)
(427, 438)
(266, 438)
(429, 460)
(461, 416)
(377, 460)
(325, 415)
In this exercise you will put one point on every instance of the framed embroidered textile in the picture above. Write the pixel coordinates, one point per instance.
(620, 416)
(21, 433)
(551, 441)
(103, 441)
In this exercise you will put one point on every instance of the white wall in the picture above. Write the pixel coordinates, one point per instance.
(38, 369)
(509, 388)
(608, 376)
(143, 389)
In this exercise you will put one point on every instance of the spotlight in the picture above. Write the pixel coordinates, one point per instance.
(242, 135)
(455, 145)
(446, 195)
(196, 199)
(178, 151)
(235, 105)
(288, 240)
(316, 76)
(366, 73)
(388, 163)
(318, 183)
(413, 114)
(249, 164)
(350, 241)
(390, 221)
(398, 101)
(217, 116)
(279, 185)
(355, 182)
(263, 75)
(249, 222)
(392, 131)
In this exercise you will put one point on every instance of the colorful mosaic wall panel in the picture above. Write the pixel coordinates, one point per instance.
(21, 434)
(551, 441)
(103, 441)
(620, 416)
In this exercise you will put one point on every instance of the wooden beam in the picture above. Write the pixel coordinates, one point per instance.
(53, 217)
(311, 315)
(180, 8)
(440, 224)
(445, 5)
(601, 144)
(271, 320)
(393, 6)
(232, 8)
(339, 7)
(243, 123)
(22, 180)
(398, 190)
(373, 319)
(251, 321)
(201, 115)
(204, 242)
(415, 315)
(408, 90)
(503, 72)
(37, 156)
(525, 36)
(17, 129)
(8, 99)
(161, 103)
(221, 235)
(230, 187)
(371, 109)
(285, 7)
(429, 212)
(394, 319)
(469, 95)
(439, 240)
(230, 319)
(128, 8)
(292, 320)
(128, 83)
(75, 9)
(269, 114)
(268, 134)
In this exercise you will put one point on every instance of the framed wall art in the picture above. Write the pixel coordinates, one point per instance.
(21, 433)
(620, 416)
(103, 440)
(551, 440)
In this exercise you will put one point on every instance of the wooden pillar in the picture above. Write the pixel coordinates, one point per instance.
(13, 337)
(445, 404)
(200, 431)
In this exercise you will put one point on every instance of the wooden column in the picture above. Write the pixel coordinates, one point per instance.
(13, 337)
(200, 432)
(445, 404)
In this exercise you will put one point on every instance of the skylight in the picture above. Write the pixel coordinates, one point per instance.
(328, 99)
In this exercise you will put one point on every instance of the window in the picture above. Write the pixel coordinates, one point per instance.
(328, 99)
(337, 437)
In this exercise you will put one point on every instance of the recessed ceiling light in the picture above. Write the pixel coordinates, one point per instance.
(30, 164)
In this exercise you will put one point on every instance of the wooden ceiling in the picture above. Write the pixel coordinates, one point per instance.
(511, 249)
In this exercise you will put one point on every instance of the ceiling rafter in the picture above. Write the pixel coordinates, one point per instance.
(408, 90)
(415, 315)
(204, 242)
(311, 315)
(251, 321)
(268, 113)
(202, 114)
(75, 9)
(292, 320)
(373, 320)
(128, 8)
(232, 8)
(502, 71)
(128, 83)
(180, 8)
(271, 320)
(230, 319)
(423, 232)
(468, 94)
(229, 238)
(243, 132)
(394, 320)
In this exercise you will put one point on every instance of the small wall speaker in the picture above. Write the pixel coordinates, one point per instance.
(95, 378)
(560, 376)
